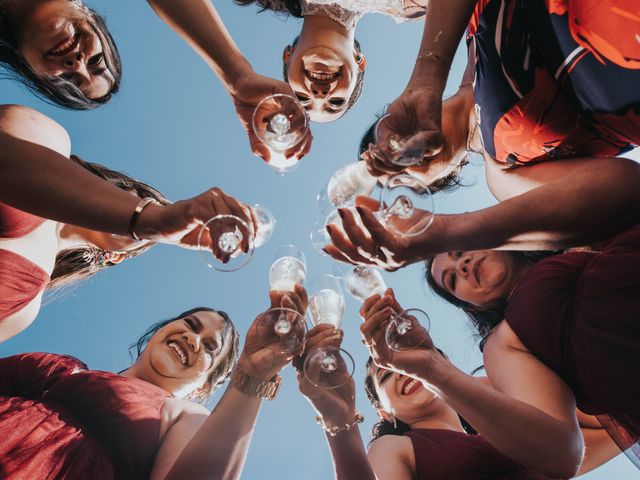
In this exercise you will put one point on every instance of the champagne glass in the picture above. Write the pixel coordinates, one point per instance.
(406, 205)
(396, 144)
(361, 282)
(280, 122)
(285, 328)
(344, 186)
(320, 236)
(329, 366)
(230, 238)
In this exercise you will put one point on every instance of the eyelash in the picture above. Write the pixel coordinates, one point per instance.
(384, 377)
(207, 345)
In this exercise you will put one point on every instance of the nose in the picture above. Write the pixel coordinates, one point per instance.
(463, 264)
(194, 341)
(320, 90)
(73, 61)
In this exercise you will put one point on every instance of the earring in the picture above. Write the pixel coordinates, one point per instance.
(359, 57)
(96, 258)
(394, 421)
(202, 390)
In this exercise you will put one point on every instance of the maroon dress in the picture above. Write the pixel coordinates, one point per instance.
(579, 313)
(59, 420)
(449, 455)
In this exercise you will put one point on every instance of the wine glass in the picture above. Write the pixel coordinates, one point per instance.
(361, 282)
(328, 366)
(396, 144)
(320, 236)
(231, 237)
(285, 327)
(406, 205)
(344, 186)
(280, 122)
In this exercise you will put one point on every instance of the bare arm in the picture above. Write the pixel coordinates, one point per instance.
(392, 458)
(349, 458)
(599, 447)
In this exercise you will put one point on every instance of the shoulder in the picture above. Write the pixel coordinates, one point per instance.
(502, 338)
(396, 445)
(187, 414)
(28, 124)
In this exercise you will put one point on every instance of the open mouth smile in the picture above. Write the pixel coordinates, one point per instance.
(65, 46)
(182, 355)
(410, 386)
(322, 77)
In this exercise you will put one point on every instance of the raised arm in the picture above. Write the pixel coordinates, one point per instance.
(199, 24)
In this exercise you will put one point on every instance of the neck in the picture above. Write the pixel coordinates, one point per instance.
(471, 122)
(443, 417)
(324, 28)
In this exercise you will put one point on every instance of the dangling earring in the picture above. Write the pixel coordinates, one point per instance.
(96, 258)
(394, 422)
(203, 390)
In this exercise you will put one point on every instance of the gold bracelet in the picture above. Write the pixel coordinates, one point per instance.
(430, 55)
(336, 429)
(255, 387)
(142, 204)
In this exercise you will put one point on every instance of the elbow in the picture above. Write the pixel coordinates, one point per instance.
(566, 462)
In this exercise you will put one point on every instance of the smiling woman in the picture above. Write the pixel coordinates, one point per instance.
(61, 50)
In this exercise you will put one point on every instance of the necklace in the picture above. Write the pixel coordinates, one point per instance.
(472, 132)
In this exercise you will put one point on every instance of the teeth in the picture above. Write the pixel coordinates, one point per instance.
(323, 76)
(408, 386)
(179, 351)
(64, 47)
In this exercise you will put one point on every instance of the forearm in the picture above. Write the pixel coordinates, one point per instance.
(219, 448)
(524, 433)
(349, 456)
(594, 203)
(199, 24)
(40, 181)
(445, 23)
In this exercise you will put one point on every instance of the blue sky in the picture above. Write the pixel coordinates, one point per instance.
(173, 126)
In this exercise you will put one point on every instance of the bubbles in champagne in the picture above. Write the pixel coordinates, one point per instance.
(285, 273)
(280, 124)
(326, 306)
(361, 282)
(229, 242)
(280, 163)
(348, 182)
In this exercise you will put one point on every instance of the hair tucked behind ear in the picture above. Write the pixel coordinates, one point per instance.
(76, 264)
(56, 90)
(222, 371)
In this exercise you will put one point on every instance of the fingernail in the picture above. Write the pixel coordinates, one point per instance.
(325, 251)
(341, 213)
(359, 210)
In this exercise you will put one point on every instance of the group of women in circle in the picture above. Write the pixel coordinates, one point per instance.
(547, 276)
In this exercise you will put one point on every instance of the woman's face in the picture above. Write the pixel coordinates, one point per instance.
(57, 40)
(405, 398)
(322, 77)
(181, 355)
(479, 277)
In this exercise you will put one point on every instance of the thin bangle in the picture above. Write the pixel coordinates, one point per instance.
(142, 204)
(430, 55)
(336, 429)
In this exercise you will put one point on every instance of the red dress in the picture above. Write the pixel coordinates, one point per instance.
(449, 455)
(557, 78)
(20, 280)
(579, 313)
(59, 420)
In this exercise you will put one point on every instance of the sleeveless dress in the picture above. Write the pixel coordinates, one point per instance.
(579, 313)
(59, 420)
(20, 279)
(448, 455)
(557, 78)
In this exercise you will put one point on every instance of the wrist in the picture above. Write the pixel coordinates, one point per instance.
(436, 370)
(257, 371)
(430, 74)
(240, 71)
(147, 223)
(255, 387)
(333, 430)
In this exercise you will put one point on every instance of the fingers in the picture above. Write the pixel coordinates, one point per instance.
(234, 207)
(336, 254)
(302, 294)
(367, 304)
(427, 142)
(320, 335)
(363, 243)
(344, 245)
(368, 203)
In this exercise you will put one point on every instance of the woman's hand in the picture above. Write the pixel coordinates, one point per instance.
(181, 223)
(375, 245)
(250, 90)
(257, 358)
(414, 120)
(377, 312)
(335, 405)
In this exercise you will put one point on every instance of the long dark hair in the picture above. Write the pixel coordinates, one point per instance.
(75, 264)
(385, 427)
(222, 371)
(484, 319)
(288, 7)
(56, 90)
(446, 184)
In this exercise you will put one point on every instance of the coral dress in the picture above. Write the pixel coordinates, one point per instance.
(20, 280)
(557, 78)
(59, 420)
(448, 455)
(579, 313)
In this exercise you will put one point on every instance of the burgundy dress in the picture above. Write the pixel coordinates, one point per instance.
(579, 313)
(59, 420)
(20, 280)
(448, 455)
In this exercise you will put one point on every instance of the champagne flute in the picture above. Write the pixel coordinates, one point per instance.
(320, 236)
(329, 366)
(344, 186)
(229, 240)
(361, 282)
(284, 327)
(396, 144)
(280, 122)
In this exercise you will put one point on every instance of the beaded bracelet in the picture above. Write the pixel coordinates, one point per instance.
(429, 55)
(336, 429)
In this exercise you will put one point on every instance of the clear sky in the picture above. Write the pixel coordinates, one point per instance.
(173, 126)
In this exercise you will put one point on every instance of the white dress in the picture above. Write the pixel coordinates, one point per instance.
(348, 12)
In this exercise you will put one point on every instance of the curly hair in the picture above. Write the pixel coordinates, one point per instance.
(222, 371)
(73, 265)
(55, 90)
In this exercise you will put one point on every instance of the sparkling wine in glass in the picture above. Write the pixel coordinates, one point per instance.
(328, 366)
(394, 144)
(280, 122)
(289, 267)
(344, 186)
(230, 231)
(361, 282)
